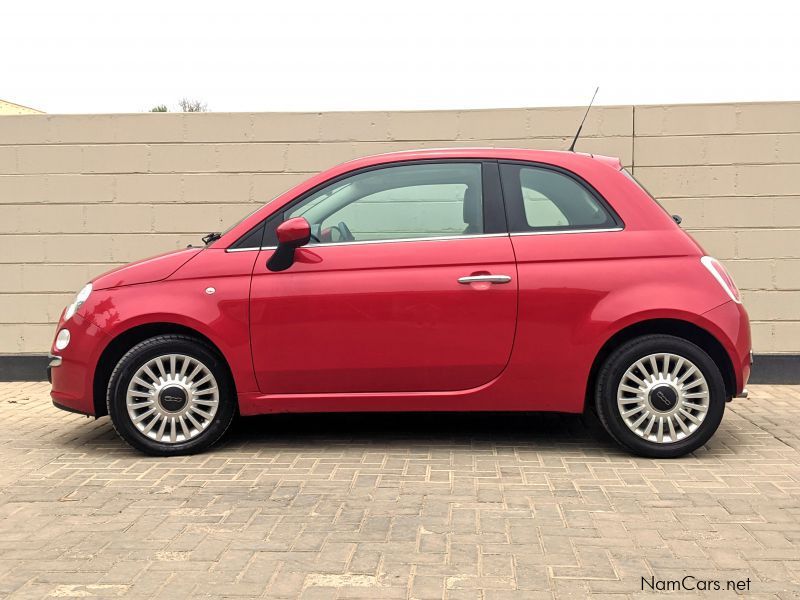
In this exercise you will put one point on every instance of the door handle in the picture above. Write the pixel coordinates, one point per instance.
(485, 279)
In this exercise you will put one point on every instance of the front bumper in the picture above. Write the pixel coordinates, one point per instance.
(71, 370)
(55, 361)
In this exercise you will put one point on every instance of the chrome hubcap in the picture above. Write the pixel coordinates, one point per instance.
(663, 398)
(172, 398)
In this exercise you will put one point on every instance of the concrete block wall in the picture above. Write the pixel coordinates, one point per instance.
(80, 194)
(733, 172)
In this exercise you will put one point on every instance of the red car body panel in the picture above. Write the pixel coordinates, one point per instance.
(72, 380)
(147, 270)
(387, 326)
(384, 317)
(730, 324)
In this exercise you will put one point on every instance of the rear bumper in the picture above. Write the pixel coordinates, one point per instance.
(744, 393)
(733, 331)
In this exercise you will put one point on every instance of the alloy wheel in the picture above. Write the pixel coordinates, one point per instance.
(663, 398)
(172, 398)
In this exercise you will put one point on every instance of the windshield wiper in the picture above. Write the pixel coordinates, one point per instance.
(211, 237)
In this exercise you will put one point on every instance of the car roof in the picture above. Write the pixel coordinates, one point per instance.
(556, 157)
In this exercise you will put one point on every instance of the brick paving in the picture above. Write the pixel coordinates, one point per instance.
(473, 507)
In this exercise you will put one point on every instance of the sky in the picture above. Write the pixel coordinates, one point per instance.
(121, 56)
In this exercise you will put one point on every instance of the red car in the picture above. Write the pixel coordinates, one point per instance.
(432, 280)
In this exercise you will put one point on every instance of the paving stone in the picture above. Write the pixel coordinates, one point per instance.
(452, 507)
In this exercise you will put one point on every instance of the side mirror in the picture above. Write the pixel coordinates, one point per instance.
(292, 234)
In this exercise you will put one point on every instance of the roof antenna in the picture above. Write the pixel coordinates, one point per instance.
(572, 145)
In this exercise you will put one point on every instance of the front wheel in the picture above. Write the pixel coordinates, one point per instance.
(660, 396)
(171, 395)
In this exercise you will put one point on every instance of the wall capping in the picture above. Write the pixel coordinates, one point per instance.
(772, 369)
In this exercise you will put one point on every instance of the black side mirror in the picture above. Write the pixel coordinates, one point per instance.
(677, 219)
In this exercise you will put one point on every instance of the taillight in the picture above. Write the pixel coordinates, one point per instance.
(723, 278)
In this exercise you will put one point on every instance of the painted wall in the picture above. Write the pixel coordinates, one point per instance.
(80, 194)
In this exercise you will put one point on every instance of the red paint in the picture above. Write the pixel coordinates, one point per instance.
(387, 326)
(383, 317)
(146, 270)
(293, 231)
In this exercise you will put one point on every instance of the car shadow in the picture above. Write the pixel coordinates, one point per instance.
(539, 430)
(566, 433)
(577, 435)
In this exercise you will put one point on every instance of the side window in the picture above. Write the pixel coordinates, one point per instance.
(252, 239)
(397, 202)
(544, 199)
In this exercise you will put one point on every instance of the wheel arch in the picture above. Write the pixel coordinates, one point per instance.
(123, 342)
(676, 327)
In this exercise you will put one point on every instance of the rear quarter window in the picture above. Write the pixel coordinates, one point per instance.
(545, 199)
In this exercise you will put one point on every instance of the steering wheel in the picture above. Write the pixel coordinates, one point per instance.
(344, 230)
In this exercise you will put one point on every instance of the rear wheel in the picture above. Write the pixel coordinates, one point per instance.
(171, 395)
(660, 396)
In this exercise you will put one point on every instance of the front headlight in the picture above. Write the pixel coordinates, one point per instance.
(82, 296)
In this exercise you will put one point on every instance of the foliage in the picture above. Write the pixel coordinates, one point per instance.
(187, 105)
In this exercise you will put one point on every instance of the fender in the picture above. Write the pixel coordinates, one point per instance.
(676, 315)
(221, 316)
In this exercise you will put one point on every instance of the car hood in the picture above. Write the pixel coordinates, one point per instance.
(146, 270)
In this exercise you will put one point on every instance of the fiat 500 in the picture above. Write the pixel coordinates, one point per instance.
(435, 280)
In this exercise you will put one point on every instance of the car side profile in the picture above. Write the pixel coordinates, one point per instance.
(431, 280)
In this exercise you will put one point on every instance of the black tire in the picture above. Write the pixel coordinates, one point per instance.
(148, 350)
(610, 376)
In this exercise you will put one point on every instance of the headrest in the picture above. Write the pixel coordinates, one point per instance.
(473, 207)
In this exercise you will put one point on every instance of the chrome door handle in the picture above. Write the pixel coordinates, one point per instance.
(485, 279)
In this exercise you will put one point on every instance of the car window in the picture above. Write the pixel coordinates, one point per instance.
(398, 202)
(543, 199)
(540, 211)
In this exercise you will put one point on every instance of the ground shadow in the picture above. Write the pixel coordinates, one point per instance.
(530, 429)
(535, 431)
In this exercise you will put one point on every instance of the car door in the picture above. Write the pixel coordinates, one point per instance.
(408, 285)
(570, 250)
